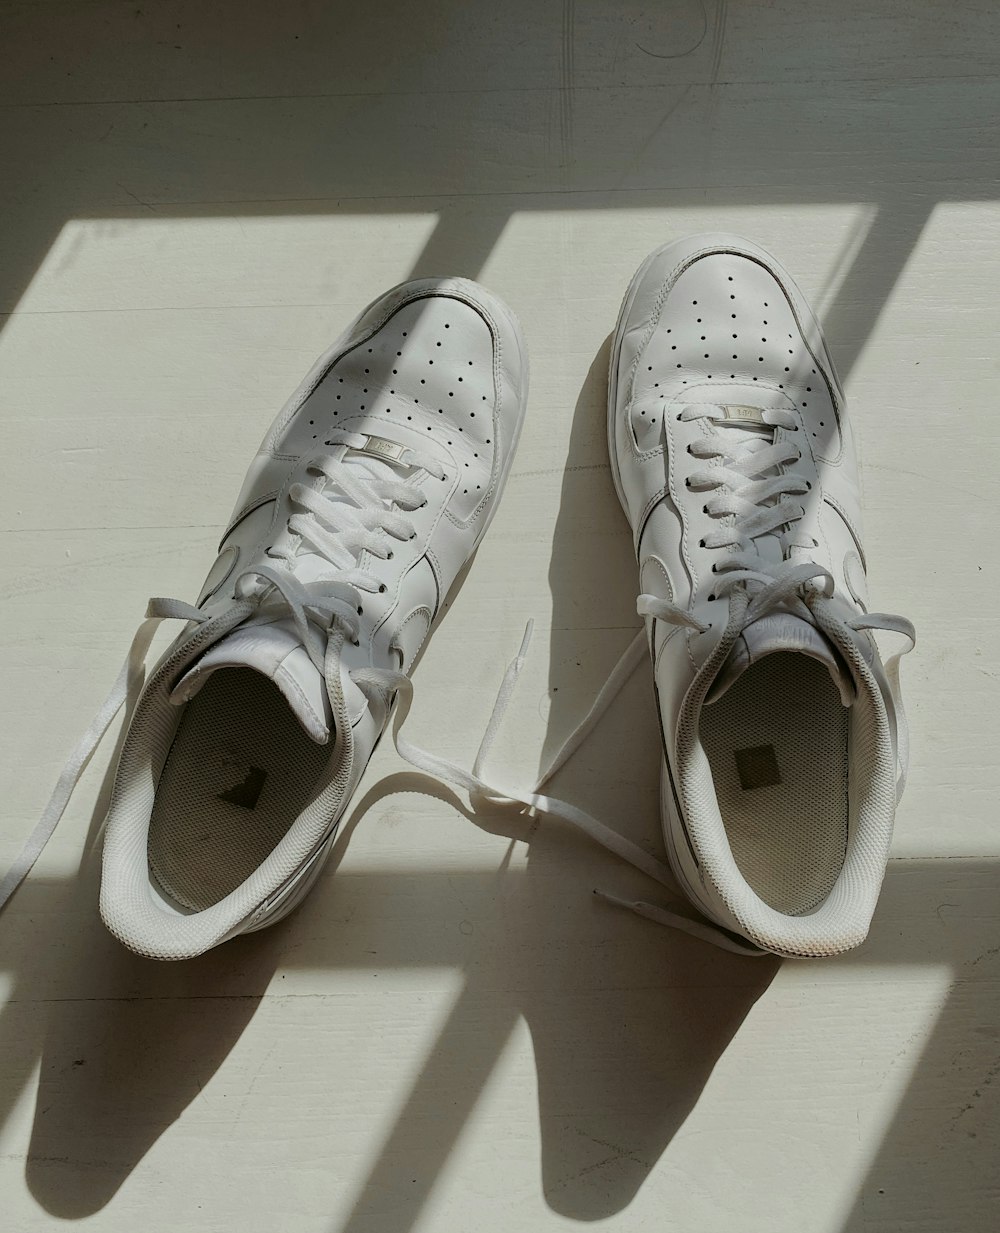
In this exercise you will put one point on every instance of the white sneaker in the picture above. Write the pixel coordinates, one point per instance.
(369, 494)
(782, 730)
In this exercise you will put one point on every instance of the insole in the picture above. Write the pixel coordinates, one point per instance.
(777, 743)
(238, 774)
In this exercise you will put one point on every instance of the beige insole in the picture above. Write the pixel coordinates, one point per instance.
(238, 774)
(777, 743)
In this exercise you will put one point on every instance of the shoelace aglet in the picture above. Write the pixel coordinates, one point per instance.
(702, 930)
(529, 629)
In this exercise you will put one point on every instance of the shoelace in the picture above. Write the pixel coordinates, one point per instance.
(314, 604)
(383, 685)
(752, 486)
(476, 784)
(353, 513)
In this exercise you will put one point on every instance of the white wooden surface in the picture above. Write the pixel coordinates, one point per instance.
(453, 1034)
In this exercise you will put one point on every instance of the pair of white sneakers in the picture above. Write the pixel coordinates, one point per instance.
(732, 455)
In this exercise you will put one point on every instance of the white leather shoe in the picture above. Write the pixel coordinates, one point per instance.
(782, 730)
(369, 494)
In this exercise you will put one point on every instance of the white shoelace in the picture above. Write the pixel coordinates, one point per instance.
(340, 533)
(752, 489)
(780, 589)
(383, 684)
(353, 513)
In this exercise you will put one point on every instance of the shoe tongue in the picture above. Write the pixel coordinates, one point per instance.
(781, 631)
(276, 652)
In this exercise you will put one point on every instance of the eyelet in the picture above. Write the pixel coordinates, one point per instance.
(382, 588)
(701, 543)
(389, 556)
(361, 610)
(355, 642)
(711, 597)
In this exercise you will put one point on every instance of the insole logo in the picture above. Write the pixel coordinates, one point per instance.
(246, 791)
(757, 767)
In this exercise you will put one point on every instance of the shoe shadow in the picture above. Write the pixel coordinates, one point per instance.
(124, 1056)
(659, 1009)
(626, 1021)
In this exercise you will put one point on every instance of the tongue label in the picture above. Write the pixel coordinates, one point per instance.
(757, 767)
(381, 448)
(741, 414)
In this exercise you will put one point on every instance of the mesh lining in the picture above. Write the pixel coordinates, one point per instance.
(237, 738)
(129, 907)
(788, 839)
(842, 920)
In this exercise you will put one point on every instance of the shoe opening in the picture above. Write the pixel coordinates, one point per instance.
(777, 744)
(239, 772)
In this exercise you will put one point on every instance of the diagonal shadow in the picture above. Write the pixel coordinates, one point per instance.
(126, 1052)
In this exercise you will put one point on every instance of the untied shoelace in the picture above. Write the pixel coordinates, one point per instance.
(339, 530)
